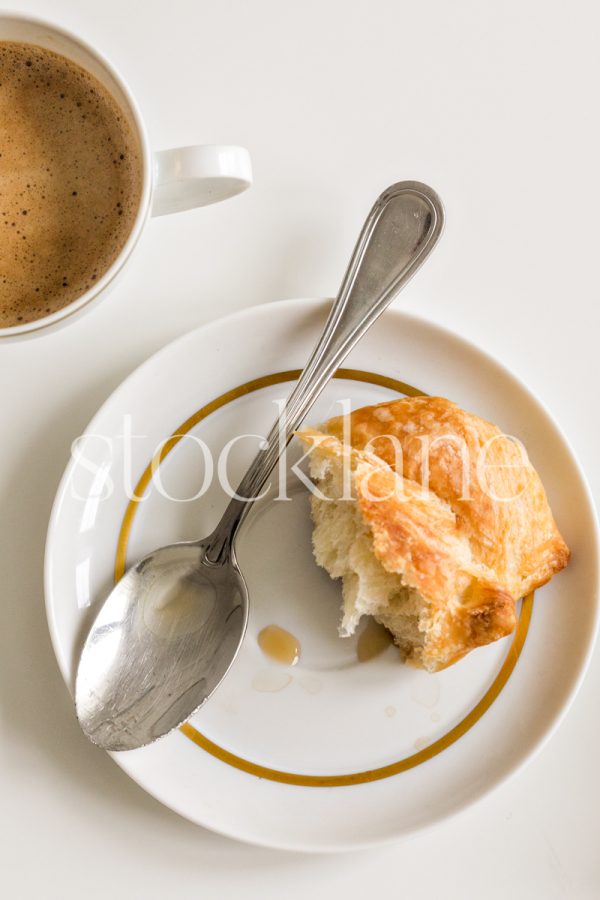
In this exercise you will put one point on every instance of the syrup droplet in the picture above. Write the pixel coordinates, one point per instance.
(310, 684)
(372, 641)
(279, 645)
(269, 681)
(425, 690)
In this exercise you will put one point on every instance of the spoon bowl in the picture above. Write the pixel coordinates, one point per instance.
(150, 657)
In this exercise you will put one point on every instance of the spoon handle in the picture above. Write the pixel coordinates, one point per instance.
(401, 230)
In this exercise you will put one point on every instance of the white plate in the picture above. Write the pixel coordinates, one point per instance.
(333, 753)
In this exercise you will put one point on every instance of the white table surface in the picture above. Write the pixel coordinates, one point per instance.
(496, 105)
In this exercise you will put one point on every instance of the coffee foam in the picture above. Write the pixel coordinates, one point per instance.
(70, 182)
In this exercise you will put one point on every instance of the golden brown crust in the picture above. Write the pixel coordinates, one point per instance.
(470, 555)
(516, 537)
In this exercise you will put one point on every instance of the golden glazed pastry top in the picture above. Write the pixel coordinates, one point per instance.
(493, 490)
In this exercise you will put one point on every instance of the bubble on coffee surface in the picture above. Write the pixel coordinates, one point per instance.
(70, 182)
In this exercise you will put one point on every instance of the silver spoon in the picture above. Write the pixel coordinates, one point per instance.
(170, 629)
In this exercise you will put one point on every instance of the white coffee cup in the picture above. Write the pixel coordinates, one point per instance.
(172, 180)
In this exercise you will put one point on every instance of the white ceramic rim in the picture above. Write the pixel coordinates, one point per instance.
(308, 304)
(95, 293)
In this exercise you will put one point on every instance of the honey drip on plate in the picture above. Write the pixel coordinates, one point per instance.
(279, 645)
(372, 641)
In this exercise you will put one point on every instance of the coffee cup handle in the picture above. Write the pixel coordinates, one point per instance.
(186, 177)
